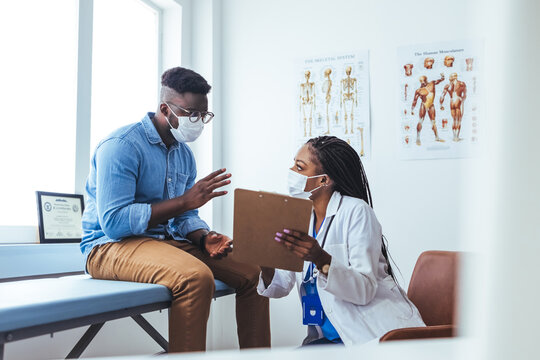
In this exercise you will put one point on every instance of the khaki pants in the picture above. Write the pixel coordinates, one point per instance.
(189, 274)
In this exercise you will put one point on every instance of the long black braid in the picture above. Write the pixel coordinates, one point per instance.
(343, 165)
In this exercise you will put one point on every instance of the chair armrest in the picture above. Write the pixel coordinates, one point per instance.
(424, 332)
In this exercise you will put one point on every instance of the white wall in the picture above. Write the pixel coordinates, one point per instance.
(507, 300)
(417, 202)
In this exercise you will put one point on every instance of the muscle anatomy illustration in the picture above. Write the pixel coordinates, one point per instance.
(426, 93)
(457, 91)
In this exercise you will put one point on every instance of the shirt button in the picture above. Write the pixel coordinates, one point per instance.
(169, 179)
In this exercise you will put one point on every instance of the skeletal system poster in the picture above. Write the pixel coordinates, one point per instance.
(333, 99)
(439, 103)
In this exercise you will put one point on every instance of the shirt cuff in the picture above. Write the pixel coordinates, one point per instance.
(260, 286)
(188, 226)
(139, 216)
(266, 291)
(273, 290)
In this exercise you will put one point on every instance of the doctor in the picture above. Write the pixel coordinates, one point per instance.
(348, 290)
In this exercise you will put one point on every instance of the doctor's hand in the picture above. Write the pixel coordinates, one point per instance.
(304, 246)
(217, 245)
(203, 190)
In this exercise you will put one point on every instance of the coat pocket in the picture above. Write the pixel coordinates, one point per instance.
(339, 252)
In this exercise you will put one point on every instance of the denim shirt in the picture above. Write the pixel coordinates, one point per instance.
(130, 170)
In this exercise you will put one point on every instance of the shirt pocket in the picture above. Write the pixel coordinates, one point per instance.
(181, 183)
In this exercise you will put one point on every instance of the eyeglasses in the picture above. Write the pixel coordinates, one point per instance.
(194, 116)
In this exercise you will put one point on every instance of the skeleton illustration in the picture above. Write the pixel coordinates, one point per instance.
(349, 97)
(307, 101)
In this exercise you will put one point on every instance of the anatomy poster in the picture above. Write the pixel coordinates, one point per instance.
(439, 112)
(333, 99)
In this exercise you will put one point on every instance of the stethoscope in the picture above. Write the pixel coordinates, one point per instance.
(311, 267)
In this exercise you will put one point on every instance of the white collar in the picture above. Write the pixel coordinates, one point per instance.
(333, 204)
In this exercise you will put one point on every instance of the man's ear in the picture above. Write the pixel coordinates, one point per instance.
(164, 109)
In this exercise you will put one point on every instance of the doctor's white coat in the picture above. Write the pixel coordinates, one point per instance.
(358, 296)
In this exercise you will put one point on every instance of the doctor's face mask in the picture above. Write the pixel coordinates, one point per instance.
(297, 184)
(304, 169)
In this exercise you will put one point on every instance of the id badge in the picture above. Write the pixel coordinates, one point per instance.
(312, 310)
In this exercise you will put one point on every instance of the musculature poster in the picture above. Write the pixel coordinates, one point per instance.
(439, 111)
(333, 99)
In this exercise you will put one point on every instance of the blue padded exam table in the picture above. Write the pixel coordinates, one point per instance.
(36, 307)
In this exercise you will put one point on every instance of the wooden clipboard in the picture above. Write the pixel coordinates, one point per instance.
(258, 216)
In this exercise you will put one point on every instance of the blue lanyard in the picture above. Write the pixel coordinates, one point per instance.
(311, 265)
(309, 273)
(314, 228)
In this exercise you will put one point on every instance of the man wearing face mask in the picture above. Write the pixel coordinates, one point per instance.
(141, 221)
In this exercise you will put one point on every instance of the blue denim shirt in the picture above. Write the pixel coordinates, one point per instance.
(130, 170)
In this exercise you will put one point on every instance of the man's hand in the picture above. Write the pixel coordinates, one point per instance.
(203, 190)
(194, 198)
(217, 245)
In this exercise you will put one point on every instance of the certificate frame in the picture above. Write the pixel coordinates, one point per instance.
(68, 209)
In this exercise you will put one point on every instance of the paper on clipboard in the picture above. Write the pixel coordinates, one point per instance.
(258, 216)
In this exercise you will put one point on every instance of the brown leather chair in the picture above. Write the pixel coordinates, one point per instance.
(433, 289)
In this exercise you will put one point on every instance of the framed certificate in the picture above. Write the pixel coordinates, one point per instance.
(59, 217)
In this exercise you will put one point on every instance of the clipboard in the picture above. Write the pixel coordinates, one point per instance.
(258, 215)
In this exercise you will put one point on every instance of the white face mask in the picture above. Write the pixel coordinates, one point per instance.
(297, 184)
(187, 131)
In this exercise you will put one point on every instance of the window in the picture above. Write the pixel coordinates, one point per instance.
(125, 69)
(47, 92)
(38, 68)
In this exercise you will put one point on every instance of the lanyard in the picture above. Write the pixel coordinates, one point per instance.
(327, 229)
(315, 229)
(309, 274)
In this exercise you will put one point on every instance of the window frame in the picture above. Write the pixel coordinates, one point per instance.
(174, 42)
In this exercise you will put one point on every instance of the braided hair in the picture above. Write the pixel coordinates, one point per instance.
(343, 165)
